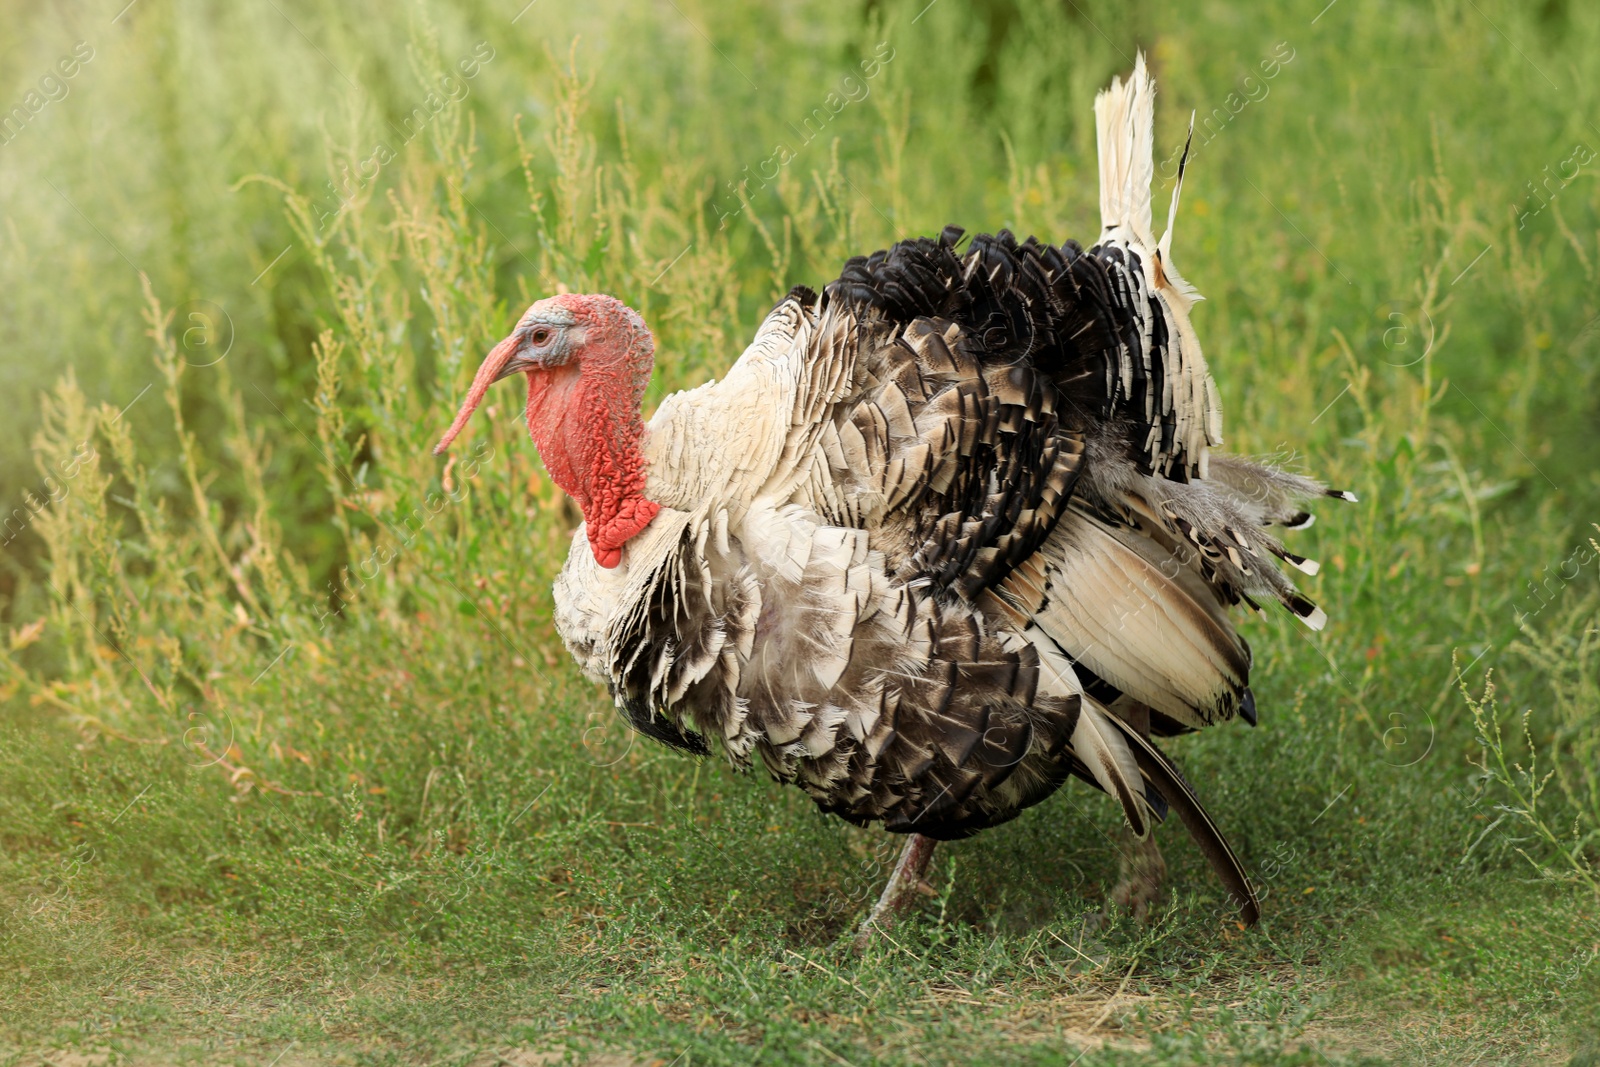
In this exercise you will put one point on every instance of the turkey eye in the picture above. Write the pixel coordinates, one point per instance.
(539, 336)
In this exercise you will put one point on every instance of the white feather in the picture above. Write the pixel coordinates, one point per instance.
(1125, 123)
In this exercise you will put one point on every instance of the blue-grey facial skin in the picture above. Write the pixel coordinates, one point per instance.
(547, 337)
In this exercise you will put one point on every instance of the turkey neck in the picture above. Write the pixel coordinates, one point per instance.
(590, 435)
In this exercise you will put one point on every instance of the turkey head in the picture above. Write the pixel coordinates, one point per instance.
(587, 359)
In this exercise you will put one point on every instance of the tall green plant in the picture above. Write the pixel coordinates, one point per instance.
(1558, 746)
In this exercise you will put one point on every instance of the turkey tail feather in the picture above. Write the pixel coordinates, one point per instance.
(1165, 777)
(1125, 124)
(1177, 191)
(1168, 268)
(1115, 768)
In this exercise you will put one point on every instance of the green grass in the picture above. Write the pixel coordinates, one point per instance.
(295, 769)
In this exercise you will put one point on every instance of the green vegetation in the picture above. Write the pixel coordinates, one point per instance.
(295, 769)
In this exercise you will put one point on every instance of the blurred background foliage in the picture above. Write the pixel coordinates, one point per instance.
(151, 163)
(251, 254)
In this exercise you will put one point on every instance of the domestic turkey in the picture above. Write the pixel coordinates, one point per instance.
(948, 533)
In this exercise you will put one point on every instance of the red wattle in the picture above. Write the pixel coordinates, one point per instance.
(607, 538)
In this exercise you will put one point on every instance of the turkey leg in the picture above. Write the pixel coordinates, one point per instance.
(1141, 871)
(906, 880)
(1140, 867)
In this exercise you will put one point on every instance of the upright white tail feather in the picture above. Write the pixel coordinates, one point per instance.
(1124, 118)
(1170, 269)
(1125, 125)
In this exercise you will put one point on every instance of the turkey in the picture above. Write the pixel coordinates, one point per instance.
(948, 533)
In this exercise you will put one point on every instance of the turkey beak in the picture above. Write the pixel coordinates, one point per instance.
(498, 364)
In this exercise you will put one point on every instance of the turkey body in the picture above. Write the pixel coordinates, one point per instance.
(927, 539)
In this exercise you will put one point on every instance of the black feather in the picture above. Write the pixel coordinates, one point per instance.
(1247, 706)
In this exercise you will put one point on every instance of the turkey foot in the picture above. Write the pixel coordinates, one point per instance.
(906, 880)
